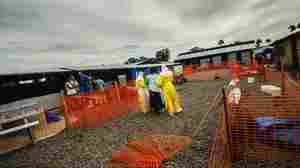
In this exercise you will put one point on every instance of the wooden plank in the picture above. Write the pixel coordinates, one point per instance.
(3, 121)
(52, 129)
(17, 108)
(15, 129)
(11, 143)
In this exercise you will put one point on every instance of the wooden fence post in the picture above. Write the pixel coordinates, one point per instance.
(265, 73)
(282, 80)
(227, 124)
(117, 89)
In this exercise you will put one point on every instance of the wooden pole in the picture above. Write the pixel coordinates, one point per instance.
(117, 90)
(265, 73)
(227, 123)
(282, 79)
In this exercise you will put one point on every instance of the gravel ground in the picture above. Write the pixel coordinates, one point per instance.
(88, 148)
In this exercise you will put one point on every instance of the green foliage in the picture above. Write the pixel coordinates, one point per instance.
(292, 28)
(258, 42)
(163, 55)
(293, 67)
(221, 42)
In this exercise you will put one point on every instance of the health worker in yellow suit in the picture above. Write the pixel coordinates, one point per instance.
(171, 99)
(143, 93)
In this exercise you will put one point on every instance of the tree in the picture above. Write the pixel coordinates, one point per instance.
(163, 55)
(237, 42)
(258, 42)
(196, 49)
(142, 58)
(132, 60)
(292, 28)
(268, 40)
(298, 25)
(221, 42)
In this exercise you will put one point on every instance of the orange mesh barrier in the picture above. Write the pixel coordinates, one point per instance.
(95, 108)
(259, 128)
(187, 70)
(240, 71)
(264, 127)
(237, 70)
(208, 67)
(131, 83)
(291, 87)
(135, 159)
(273, 75)
(150, 151)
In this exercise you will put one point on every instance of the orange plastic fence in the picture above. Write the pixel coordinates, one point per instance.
(289, 86)
(292, 87)
(95, 108)
(190, 69)
(237, 70)
(251, 136)
(150, 151)
(273, 75)
(265, 128)
(187, 70)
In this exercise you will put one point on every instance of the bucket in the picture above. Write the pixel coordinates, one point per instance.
(251, 80)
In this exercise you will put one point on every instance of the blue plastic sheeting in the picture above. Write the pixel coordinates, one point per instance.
(133, 73)
(52, 117)
(147, 71)
(269, 121)
(278, 130)
(84, 83)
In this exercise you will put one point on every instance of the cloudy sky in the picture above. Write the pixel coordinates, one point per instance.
(45, 33)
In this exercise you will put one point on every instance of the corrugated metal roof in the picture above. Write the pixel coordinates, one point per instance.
(286, 36)
(77, 68)
(217, 51)
(32, 71)
(110, 67)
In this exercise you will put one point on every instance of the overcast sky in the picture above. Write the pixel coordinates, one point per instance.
(43, 33)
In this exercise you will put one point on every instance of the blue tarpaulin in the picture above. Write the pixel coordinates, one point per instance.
(133, 73)
(278, 130)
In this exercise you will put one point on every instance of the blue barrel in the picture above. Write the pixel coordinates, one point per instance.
(133, 73)
(147, 71)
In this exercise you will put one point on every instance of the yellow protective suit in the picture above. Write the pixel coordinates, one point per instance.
(143, 98)
(171, 100)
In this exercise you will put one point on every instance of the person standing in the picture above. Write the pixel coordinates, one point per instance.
(84, 82)
(171, 100)
(142, 92)
(99, 84)
(71, 86)
(156, 102)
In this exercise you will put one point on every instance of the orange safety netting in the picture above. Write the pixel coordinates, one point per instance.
(95, 108)
(187, 70)
(238, 71)
(150, 151)
(190, 69)
(289, 86)
(265, 128)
